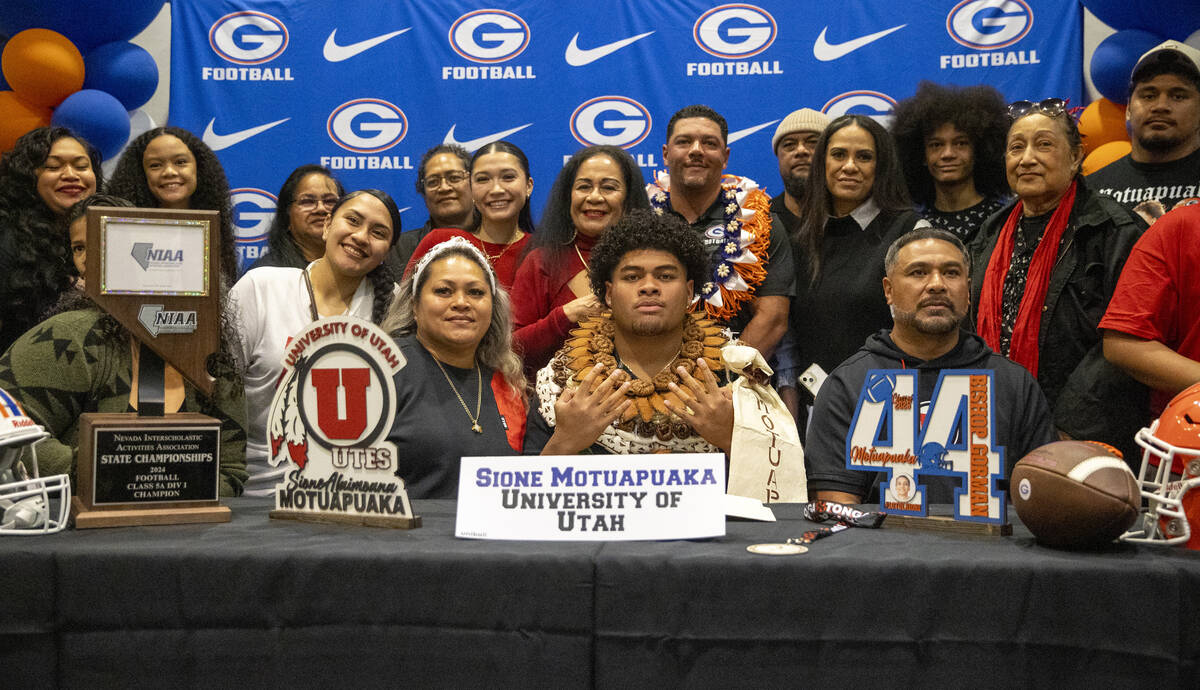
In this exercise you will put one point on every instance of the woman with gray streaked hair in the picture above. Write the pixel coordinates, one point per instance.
(462, 390)
(1045, 268)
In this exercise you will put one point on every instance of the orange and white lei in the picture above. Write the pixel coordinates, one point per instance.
(740, 263)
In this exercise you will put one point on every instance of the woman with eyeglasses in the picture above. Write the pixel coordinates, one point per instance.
(445, 185)
(500, 188)
(271, 304)
(304, 202)
(552, 291)
(1045, 267)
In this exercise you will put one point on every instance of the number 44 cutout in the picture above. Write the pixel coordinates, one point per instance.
(954, 437)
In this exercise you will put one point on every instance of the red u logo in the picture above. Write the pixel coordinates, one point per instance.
(353, 383)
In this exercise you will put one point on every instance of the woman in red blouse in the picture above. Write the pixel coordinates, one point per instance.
(551, 293)
(500, 188)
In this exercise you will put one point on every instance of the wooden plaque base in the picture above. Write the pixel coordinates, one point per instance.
(392, 521)
(125, 517)
(938, 523)
(88, 514)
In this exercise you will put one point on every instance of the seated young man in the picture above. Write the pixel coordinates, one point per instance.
(927, 287)
(640, 378)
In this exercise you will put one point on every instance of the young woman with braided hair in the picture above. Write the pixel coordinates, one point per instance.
(270, 304)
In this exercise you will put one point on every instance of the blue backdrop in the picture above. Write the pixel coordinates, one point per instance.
(366, 86)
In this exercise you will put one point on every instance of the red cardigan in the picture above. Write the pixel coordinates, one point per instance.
(537, 300)
(505, 266)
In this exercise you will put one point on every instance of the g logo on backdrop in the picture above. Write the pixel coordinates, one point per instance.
(248, 38)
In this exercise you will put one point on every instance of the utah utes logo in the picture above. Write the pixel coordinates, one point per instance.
(348, 386)
(336, 391)
(336, 388)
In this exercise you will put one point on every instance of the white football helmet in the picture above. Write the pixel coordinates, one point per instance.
(29, 504)
(1170, 475)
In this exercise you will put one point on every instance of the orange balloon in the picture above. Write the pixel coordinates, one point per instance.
(1101, 122)
(1105, 154)
(18, 117)
(42, 66)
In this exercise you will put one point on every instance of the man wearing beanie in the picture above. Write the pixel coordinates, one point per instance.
(793, 144)
(1163, 118)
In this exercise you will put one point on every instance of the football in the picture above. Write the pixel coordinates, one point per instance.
(1075, 493)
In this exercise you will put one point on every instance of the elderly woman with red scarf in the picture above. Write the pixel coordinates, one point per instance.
(1044, 270)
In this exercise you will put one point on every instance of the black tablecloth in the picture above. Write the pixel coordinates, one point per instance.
(267, 602)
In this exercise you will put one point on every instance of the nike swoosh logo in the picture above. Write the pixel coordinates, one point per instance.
(336, 53)
(826, 51)
(742, 133)
(481, 141)
(577, 57)
(216, 142)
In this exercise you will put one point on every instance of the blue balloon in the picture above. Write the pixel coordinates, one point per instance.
(1175, 19)
(87, 23)
(1112, 63)
(123, 70)
(97, 117)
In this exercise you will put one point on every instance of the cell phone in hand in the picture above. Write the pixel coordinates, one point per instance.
(812, 378)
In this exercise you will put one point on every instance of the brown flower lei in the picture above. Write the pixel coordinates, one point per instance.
(648, 416)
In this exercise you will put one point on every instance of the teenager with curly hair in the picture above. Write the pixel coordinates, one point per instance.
(640, 377)
(303, 205)
(169, 167)
(271, 304)
(951, 145)
(45, 172)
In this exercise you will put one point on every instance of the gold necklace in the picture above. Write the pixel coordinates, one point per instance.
(671, 361)
(493, 259)
(580, 255)
(478, 398)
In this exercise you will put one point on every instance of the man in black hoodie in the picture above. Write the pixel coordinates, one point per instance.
(927, 288)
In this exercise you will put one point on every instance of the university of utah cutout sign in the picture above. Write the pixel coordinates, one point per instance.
(329, 421)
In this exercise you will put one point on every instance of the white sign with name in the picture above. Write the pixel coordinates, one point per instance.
(592, 498)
